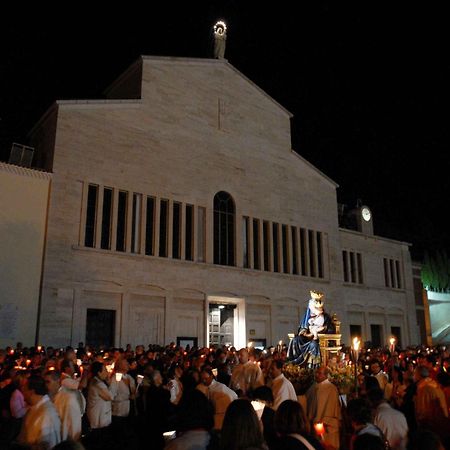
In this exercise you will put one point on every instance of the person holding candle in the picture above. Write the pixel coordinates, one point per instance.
(125, 388)
(324, 407)
(293, 429)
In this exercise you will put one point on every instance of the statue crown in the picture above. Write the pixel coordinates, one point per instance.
(317, 295)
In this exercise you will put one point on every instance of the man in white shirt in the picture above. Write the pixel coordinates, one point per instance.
(282, 388)
(69, 402)
(324, 406)
(246, 376)
(41, 426)
(100, 396)
(390, 421)
(219, 395)
(381, 376)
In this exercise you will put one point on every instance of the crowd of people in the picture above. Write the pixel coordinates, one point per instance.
(218, 399)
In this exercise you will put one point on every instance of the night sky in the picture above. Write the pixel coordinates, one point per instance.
(368, 86)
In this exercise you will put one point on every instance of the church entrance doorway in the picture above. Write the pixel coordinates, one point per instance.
(226, 322)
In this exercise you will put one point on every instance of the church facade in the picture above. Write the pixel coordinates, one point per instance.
(179, 212)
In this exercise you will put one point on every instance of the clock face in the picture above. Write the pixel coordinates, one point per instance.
(366, 214)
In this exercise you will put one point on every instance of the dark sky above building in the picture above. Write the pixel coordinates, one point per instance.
(368, 85)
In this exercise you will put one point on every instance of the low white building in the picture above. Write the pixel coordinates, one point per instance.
(179, 212)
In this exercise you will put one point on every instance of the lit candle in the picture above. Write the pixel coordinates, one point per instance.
(320, 429)
(392, 344)
(355, 352)
(119, 376)
(258, 407)
(356, 343)
(39, 348)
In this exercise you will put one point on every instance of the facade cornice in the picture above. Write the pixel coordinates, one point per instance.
(374, 238)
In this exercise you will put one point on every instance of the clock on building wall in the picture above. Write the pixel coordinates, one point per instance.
(366, 213)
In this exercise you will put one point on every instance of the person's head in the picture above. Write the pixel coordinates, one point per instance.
(321, 374)
(368, 441)
(263, 394)
(397, 374)
(98, 370)
(375, 397)
(443, 378)
(359, 411)
(206, 376)
(275, 369)
(371, 383)
(67, 367)
(34, 389)
(422, 439)
(241, 427)
(243, 355)
(290, 418)
(70, 354)
(52, 379)
(69, 445)
(148, 369)
(375, 367)
(19, 380)
(122, 366)
(156, 378)
(420, 373)
(195, 411)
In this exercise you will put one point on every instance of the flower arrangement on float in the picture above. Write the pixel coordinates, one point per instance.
(300, 377)
(343, 378)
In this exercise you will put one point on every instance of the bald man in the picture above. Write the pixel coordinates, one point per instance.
(324, 406)
(246, 376)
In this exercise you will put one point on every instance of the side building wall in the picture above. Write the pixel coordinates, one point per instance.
(378, 289)
(23, 213)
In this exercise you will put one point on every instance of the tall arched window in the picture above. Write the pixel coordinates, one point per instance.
(224, 212)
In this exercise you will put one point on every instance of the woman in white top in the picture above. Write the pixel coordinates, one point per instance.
(100, 396)
(175, 386)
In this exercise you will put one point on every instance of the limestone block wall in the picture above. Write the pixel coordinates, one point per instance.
(199, 128)
(376, 301)
(23, 211)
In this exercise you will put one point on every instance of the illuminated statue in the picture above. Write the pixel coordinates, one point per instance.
(304, 348)
(220, 37)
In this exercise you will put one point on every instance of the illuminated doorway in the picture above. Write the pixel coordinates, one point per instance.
(226, 322)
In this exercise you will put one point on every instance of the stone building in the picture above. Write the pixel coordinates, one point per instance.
(179, 212)
(24, 195)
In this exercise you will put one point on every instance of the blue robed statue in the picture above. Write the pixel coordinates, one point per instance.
(304, 349)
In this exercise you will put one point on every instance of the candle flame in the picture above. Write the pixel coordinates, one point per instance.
(356, 343)
(392, 340)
